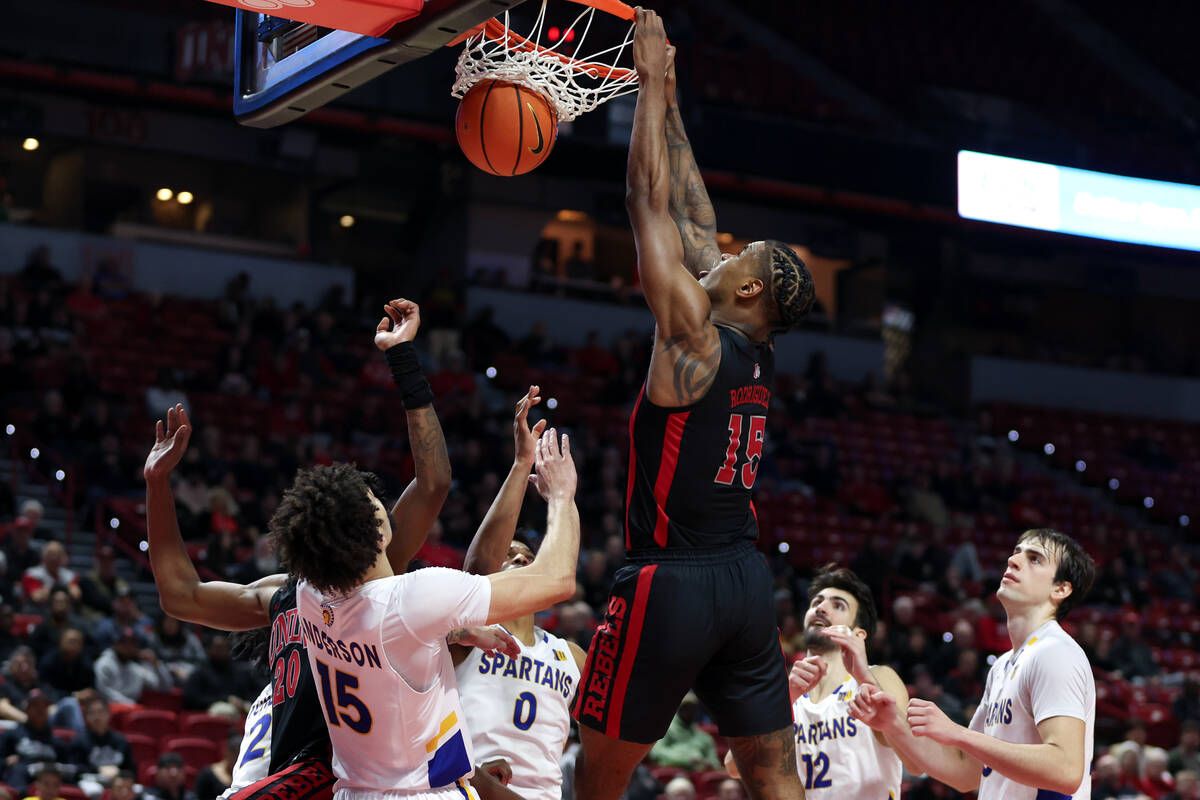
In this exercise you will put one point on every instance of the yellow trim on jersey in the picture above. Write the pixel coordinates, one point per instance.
(447, 724)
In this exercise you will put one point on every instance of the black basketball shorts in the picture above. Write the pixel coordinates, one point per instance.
(688, 619)
(307, 779)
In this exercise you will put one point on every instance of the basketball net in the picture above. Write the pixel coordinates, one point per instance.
(573, 83)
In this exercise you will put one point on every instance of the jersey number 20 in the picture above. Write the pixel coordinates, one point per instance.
(754, 447)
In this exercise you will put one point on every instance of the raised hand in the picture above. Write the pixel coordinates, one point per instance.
(874, 707)
(806, 673)
(400, 325)
(649, 44)
(555, 477)
(854, 651)
(526, 438)
(491, 639)
(170, 443)
(927, 720)
(669, 81)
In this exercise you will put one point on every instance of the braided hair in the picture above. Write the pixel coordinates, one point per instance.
(791, 284)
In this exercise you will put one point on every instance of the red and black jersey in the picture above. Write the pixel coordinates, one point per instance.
(692, 469)
(297, 723)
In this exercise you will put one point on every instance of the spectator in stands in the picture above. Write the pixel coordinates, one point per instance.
(126, 669)
(109, 471)
(165, 393)
(483, 338)
(1187, 705)
(685, 744)
(1106, 778)
(30, 519)
(169, 779)
(177, 646)
(264, 562)
(864, 496)
(435, 553)
(47, 784)
(1131, 655)
(1187, 754)
(925, 504)
(99, 752)
(216, 778)
(924, 686)
(45, 637)
(680, 788)
(102, 584)
(219, 680)
(822, 472)
(124, 787)
(38, 582)
(20, 676)
(1187, 786)
(66, 668)
(38, 272)
(33, 744)
(52, 427)
(1156, 781)
(125, 614)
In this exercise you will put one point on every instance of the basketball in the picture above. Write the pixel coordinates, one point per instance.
(505, 129)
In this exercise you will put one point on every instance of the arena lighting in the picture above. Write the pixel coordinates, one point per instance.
(1031, 194)
(164, 194)
(1148, 502)
(144, 546)
(570, 215)
(1080, 465)
(1184, 520)
(1013, 436)
(490, 372)
(725, 238)
(346, 220)
(784, 547)
(553, 33)
(552, 403)
(114, 523)
(34, 453)
(991, 659)
(1048, 449)
(30, 144)
(1114, 484)
(60, 475)
(185, 197)
(10, 429)
(947, 637)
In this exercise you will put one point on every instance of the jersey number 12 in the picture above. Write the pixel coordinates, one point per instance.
(754, 447)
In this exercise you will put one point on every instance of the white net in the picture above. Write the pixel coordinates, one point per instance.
(573, 82)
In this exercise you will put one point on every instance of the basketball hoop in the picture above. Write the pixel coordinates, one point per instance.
(574, 83)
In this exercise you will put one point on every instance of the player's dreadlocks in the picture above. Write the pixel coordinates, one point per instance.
(251, 647)
(790, 282)
(325, 529)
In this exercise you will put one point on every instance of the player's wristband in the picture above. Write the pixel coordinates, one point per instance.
(406, 372)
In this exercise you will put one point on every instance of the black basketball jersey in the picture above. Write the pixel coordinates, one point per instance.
(297, 722)
(692, 469)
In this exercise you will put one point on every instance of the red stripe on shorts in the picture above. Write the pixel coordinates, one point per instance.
(633, 635)
(666, 472)
(632, 464)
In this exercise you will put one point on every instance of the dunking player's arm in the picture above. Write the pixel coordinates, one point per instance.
(421, 502)
(550, 578)
(687, 349)
(690, 207)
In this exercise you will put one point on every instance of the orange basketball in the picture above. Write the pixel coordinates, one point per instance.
(505, 129)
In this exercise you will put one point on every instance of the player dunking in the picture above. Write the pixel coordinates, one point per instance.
(376, 641)
(299, 746)
(1032, 734)
(838, 756)
(518, 708)
(693, 608)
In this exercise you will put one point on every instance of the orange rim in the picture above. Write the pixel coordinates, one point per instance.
(495, 30)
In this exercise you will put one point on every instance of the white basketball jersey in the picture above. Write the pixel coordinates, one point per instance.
(254, 756)
(1049, 676)
(838, 756)
(520, 710)
(385, 679)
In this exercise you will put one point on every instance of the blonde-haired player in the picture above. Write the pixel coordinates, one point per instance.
(518, 708)
(1031, 737)
(836, 755)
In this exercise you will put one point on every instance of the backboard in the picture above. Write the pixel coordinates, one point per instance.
(284, 68)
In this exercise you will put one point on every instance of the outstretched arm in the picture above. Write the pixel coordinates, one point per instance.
(216, 604)
(490, 546)
(422, 499)
(680, 305)
(691, 209)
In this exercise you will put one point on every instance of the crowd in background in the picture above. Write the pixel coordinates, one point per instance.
(327, 396)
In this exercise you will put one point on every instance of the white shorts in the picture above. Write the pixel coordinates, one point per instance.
(460, 791)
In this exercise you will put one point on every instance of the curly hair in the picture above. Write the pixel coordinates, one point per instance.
(251, 647)
(791, 284)
(325, 529)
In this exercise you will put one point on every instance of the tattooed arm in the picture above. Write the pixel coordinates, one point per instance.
(767, 764)
(687, 347)
(690, 207)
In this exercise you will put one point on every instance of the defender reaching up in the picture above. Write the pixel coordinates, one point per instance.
(693, 607)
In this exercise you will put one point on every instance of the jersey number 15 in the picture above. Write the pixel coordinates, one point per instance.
(754, 447)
